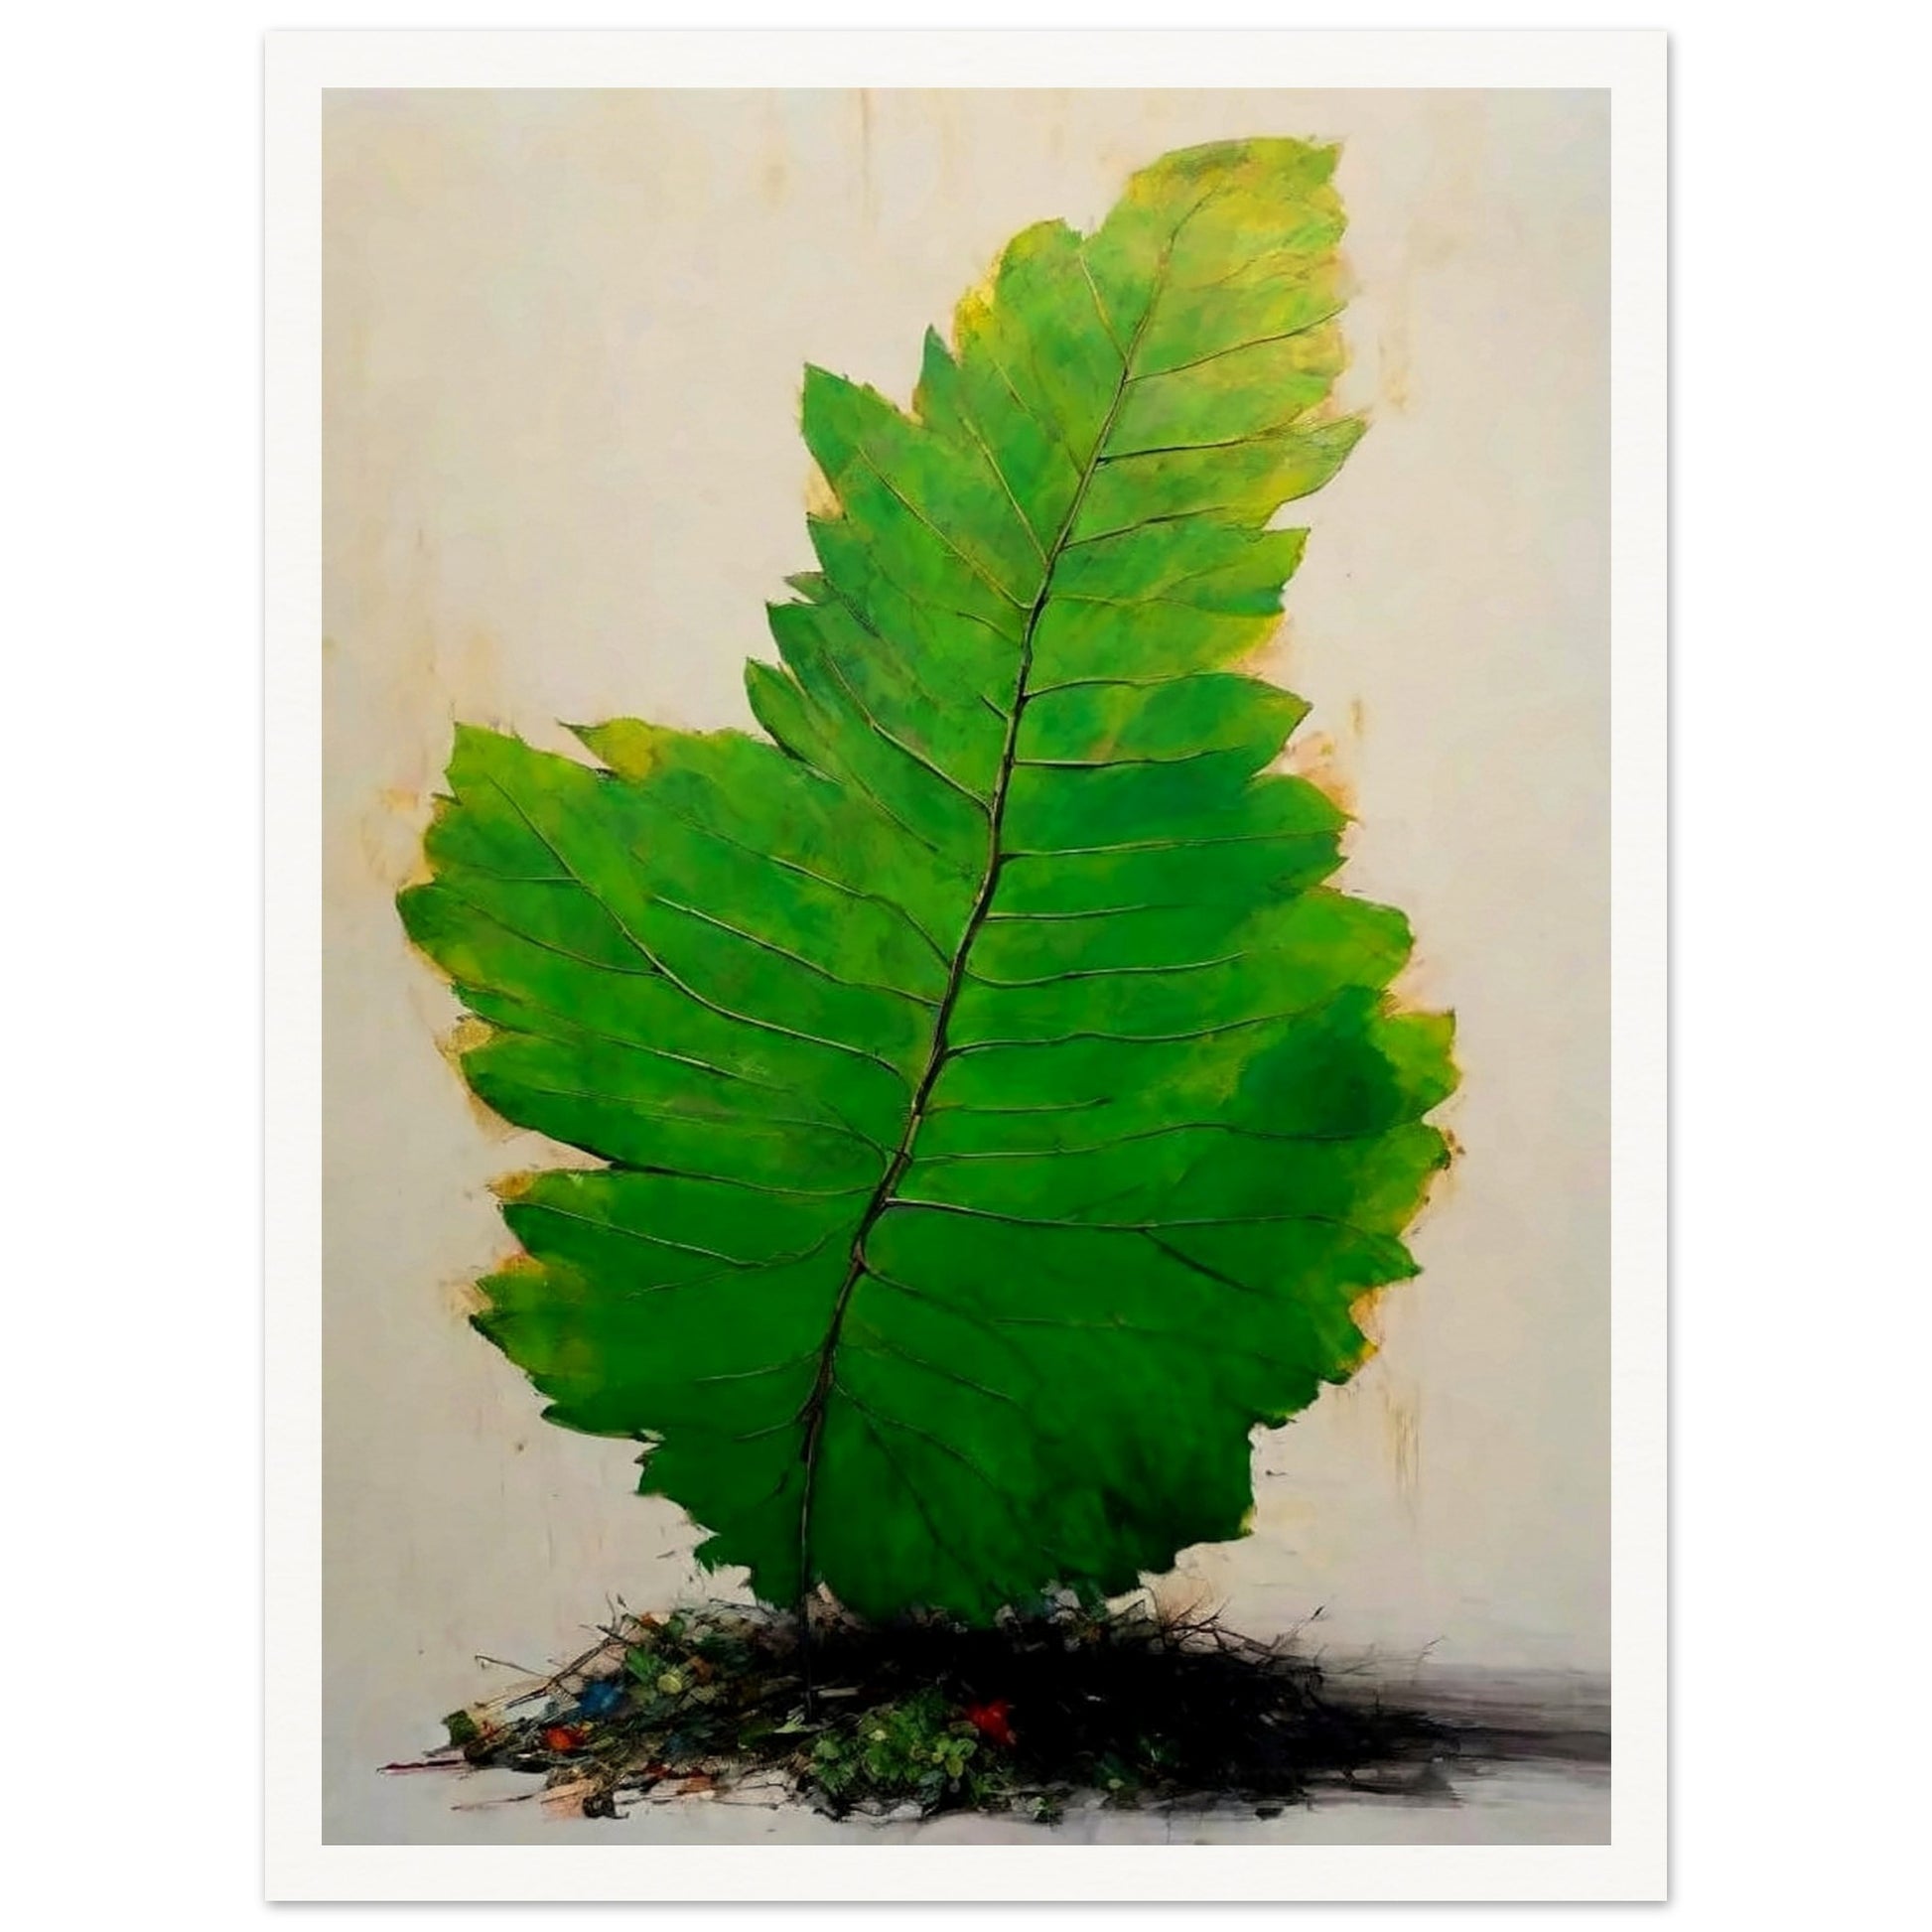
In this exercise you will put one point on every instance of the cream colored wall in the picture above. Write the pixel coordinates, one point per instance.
(562, 473)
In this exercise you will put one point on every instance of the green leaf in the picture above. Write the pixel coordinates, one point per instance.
(1000, 1116)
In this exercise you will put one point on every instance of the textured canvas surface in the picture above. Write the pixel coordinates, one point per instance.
(564, 337)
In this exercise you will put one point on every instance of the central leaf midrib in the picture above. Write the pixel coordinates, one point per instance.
(816, 1403)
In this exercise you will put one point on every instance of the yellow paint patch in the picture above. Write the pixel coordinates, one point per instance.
(972, 314)
(628, 745)
(1318, 758)
(1365, 1311)
(453, 1044)
(389, 835)
(821, 499)
(466, 1035)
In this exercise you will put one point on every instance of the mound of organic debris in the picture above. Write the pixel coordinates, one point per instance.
(925, 1717)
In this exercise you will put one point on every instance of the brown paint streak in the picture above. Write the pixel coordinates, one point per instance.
(1395, 360)
(1402, 1431)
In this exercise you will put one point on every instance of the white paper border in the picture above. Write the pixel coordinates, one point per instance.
(1632, 65)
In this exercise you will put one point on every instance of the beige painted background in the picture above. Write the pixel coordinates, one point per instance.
(563, 335)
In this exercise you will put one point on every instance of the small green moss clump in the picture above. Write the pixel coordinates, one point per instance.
(919, 1748)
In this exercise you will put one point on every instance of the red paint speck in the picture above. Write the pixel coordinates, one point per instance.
(990, 1720)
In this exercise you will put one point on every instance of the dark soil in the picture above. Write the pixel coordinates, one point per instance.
(1023, 1717)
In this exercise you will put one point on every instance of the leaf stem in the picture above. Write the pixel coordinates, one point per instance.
(883, 1195)
(803, 1610)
